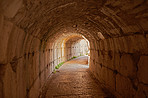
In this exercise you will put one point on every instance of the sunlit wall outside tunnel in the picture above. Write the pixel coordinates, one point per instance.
(70, 46)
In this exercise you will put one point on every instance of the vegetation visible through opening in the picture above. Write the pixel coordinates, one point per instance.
(60, 64)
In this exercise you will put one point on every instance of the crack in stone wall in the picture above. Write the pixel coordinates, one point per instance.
(122, 74)
(29, 29)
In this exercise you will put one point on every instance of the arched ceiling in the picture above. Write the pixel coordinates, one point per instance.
(46, 19)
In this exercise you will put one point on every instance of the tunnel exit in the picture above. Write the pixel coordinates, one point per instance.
(68, 47)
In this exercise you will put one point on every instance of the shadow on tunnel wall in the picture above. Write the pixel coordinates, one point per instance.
(31, 32)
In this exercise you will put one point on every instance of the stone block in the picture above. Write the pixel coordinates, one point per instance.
(101, 45)
(145, 89)
(107, 77)
(105, 45)
(36, 63)
(35, 44)
(104, 75)
(114, 31)
(10, 83)
(4, 39)
(110, 79)
(124, 87)
(144, 24)
(126, 66)
(2, 72)
(142, 91)
(27, 42)
(1, 22)
(141, 43)
(35, 89)
(20, 41)
(147, 38)
(21, 78)
(130, 44)
(117, 60)
(142, 69)
(12, 45)
(98, 71)
(108, 61)
(124, 44)
(132, 5)
(10, 8)
(1, 89)
(137, 43)
(131, 29)
(96, 55)
(111, 43)
(116, 45)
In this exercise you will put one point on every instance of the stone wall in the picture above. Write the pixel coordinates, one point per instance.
(116, 29)
(25, 61)
(74, 47)
(120, 65)
(19, 59)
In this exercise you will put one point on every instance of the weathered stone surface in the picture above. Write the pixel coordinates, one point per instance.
(12, 43)
(126, 66)
(116, 44)
(1, 89)
(20, 41)
(142, 69)
(110, 79)
(142, 91)
(117, 59)
(10, 83)
(108, 61)
(43, 33)
(123, 45)
(137, 43)
(144, 24)
(10, 8)
(147, 37)
(124, 86)
(4, 39)
(1, 22)
(131, 29)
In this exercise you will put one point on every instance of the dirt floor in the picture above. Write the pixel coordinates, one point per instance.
(73, 80)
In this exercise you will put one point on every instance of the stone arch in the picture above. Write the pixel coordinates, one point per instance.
(28, 29)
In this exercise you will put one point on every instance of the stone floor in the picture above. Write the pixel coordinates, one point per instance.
(73, 80)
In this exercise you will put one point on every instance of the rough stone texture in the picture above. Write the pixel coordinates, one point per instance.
(126, 66)
(142, 69)
(142, 91)
(126, 61)
(33, 32)
(73, 80)
(6, 28)
(28, 68)
(124, 86)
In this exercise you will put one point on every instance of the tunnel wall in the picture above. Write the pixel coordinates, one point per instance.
(23, 67)
(120, 65)
(119, 62)
(25, 61)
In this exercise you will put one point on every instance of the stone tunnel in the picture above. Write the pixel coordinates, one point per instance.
(36, 35)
